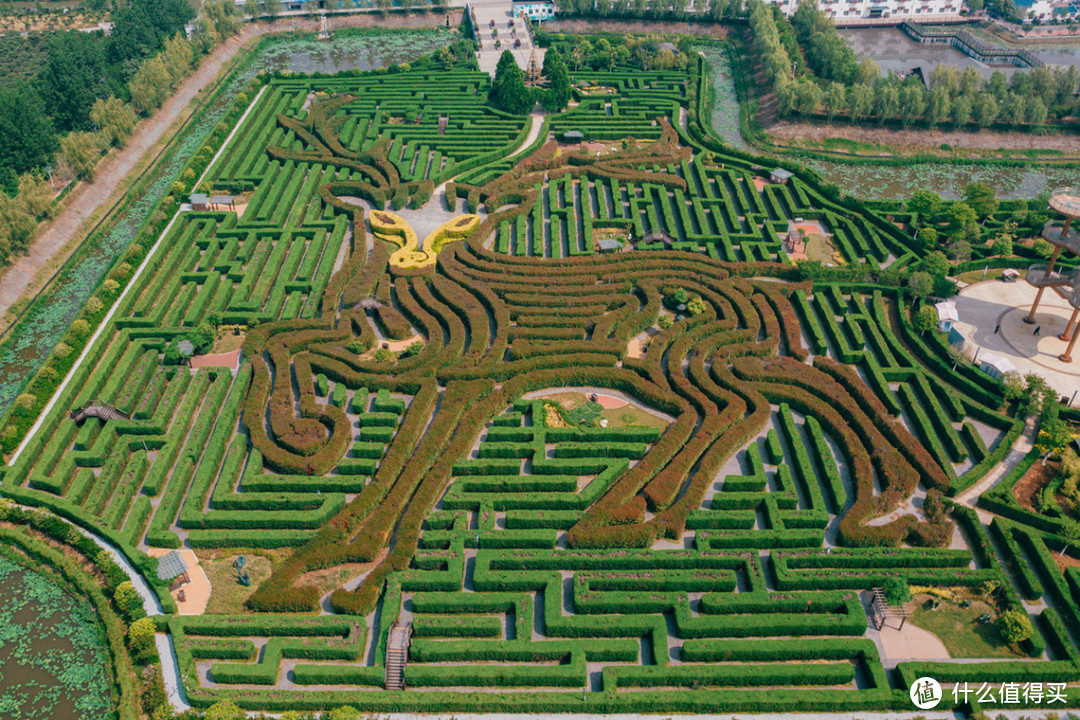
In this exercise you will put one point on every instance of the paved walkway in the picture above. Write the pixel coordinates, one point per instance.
(501, 12)
(534, 132)
(196, 592)
(1019, 451)
(984, 306)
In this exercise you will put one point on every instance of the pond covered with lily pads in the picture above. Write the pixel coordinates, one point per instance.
(54, 664)
(30, 342)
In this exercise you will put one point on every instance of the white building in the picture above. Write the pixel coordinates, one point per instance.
(947, 315)
(995, 366)
(851, 10)
(535, 11)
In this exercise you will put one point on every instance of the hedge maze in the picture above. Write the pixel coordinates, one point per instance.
(718, 560)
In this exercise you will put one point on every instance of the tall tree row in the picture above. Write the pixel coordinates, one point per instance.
(820, 75)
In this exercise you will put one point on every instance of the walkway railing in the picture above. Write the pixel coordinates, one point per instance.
(970, 45)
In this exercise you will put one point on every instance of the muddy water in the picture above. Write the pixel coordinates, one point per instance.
(53, 661)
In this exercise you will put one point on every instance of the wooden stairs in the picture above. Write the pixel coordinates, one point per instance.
(100, 411)
(397, 655)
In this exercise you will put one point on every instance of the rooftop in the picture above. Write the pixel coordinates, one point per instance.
(1002, 364)
(947, 311)
(1066, 200)
(171, 565)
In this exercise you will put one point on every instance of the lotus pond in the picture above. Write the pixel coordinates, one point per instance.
(53, 661)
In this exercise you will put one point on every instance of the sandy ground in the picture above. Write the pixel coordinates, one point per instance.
(636, 347)
(911, 643)
(914, 139)
(196, 592)
(230, 360)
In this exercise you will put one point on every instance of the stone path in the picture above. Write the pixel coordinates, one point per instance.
(1019, 451)
(501, 12)
(984, 306)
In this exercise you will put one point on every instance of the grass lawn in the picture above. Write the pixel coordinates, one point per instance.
(227, 596)
(958, 630)
(992, 274)
(227, 340)
(625, 416)
(818, 248)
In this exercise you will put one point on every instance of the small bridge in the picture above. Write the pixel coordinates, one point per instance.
(397, 655)
(101, 411)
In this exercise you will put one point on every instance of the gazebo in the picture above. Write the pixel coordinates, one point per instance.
(227, 200)
(172, 569)
(995, 366)
(780, 176)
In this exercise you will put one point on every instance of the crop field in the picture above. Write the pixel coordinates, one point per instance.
(803, 445)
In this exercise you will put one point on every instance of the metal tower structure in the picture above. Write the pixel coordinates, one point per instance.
(1059, 233)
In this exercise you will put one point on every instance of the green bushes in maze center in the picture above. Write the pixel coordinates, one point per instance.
(718, 540)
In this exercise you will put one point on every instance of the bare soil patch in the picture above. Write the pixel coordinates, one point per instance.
(1033, 482)
(330, 578)
(1066, 561)
(911, 141)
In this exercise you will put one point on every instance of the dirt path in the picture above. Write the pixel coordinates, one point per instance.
(910, 141)
(87, 198)
(56, 240)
